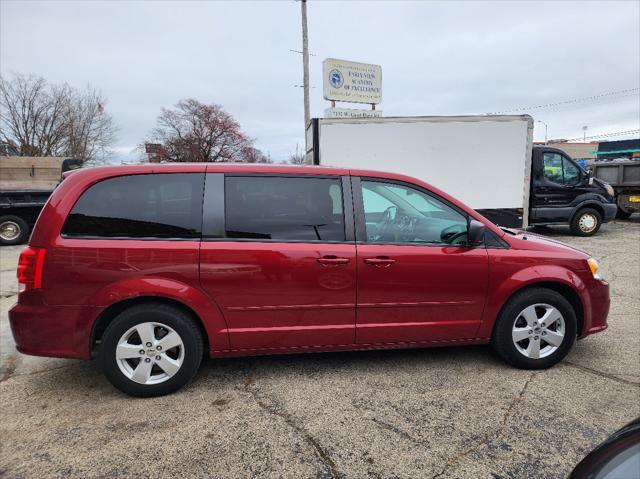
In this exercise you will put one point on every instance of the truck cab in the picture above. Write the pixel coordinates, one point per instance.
(564, 193)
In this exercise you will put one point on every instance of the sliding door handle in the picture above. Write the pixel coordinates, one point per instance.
(331, 260)
(380, 261)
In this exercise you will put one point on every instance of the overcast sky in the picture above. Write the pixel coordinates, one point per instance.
(438, 58)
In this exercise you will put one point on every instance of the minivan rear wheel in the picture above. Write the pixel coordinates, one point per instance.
(151, 349)
(535, 330)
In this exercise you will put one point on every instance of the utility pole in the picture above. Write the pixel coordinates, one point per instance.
(305, 69)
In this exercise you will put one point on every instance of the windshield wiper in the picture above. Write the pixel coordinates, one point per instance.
(509, 230)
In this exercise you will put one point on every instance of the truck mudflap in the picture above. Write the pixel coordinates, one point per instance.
(610, 210)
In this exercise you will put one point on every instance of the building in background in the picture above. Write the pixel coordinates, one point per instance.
(577, 151)
(609, 150)
(155, 152)
(588, 152)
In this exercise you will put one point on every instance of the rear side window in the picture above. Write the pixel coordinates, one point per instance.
(284, 209)
(140, 206)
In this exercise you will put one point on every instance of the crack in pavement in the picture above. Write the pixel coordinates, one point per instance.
(602, 373)
(491, 435)
(398, 431)
(326, 461)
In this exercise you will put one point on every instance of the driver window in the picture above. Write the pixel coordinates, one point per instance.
(553, 167)
(399, 214)
(560, 170)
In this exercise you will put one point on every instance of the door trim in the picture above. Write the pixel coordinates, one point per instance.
(291, 307)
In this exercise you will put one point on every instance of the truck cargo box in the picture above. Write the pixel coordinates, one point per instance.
(485, 161)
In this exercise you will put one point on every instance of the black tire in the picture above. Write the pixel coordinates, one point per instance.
(182, 323)
(580, 226)
(503, 343)
(15, 222)
(622, 214)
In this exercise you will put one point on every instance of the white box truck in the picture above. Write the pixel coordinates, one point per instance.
(489, 162)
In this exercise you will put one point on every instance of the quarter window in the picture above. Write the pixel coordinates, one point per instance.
(284, 209)
(140, 206)
(400, 214)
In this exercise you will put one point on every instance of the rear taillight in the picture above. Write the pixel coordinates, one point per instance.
(30, 266)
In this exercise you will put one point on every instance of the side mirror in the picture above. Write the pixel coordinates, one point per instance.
(475, 236)
(590, 177)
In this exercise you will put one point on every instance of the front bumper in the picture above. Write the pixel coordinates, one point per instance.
(599, 308)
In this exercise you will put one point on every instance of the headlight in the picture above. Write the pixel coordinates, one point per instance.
(593, 266)
(609, 189)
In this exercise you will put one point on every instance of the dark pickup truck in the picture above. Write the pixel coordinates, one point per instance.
(564, 193)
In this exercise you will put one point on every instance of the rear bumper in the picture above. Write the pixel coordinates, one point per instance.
(42, 330)
(600, 304)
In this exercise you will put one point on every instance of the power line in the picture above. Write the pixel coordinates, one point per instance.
(606, 135)
(623, 93)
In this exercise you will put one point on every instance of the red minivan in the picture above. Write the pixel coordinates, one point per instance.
(150, 267)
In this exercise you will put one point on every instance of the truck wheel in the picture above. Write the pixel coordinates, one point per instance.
(586, 222)
(13, 230)
(622, 214)
(535, 330)
(151, 349)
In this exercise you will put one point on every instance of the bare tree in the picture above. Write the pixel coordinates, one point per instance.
(54, 120)
(259, 157)
(297, 158)
(193, 131)
(89, 130)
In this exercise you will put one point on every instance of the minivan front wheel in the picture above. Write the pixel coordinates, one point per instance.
(151, 350)
(586, 222)
(536, 329)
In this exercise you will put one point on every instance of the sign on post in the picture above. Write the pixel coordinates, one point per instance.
(351, 113)
(352, 81)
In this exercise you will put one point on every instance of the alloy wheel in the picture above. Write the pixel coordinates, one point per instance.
(150, 353)
(538, 331)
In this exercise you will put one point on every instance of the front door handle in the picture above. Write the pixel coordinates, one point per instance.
(380, 261)
(331, 260)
